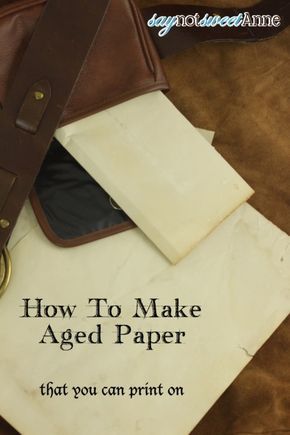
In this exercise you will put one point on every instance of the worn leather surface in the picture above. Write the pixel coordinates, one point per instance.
(109, 75)
(243, 92)
(183, 37)
(22, 149)
(76, 66)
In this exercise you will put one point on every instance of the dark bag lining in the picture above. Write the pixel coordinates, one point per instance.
(73, 208)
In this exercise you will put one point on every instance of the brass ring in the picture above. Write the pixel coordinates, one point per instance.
(5, 258)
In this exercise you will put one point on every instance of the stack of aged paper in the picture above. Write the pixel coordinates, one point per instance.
(238, 275)
(159, 169)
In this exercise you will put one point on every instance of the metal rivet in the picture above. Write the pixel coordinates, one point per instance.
(114, 205)
(4, 223)
(38, 95)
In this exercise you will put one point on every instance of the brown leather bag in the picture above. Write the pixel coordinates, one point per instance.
(117, 68)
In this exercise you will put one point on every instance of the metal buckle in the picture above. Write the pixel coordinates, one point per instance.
(5, 270)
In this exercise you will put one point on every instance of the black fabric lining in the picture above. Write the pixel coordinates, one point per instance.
(73, 203)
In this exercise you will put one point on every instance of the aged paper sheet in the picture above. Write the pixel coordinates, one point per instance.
(168, 179)
(239, 275)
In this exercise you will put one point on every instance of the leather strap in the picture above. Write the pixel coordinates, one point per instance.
(181, 38)
(43, 84)
(51, 66)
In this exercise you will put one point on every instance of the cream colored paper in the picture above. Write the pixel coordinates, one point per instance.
(239, 275)
(208, 135)
(159, 169)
